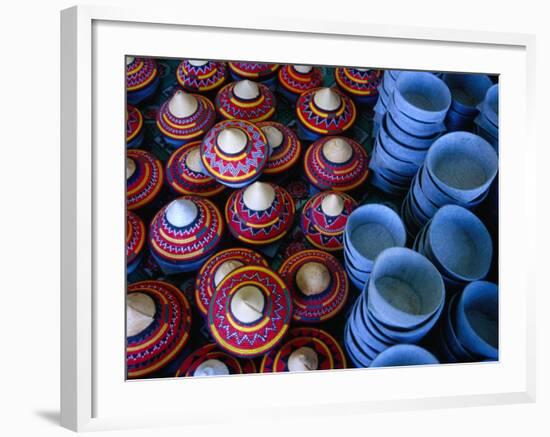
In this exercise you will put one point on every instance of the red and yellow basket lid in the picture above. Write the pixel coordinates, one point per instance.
(253, 70)
(297, 79)
(260, 214)
(188, 229)
(318, 284)
(326, 111)
(144, 177)
(358, 81)
(217, 267)
(305, 349)
(135, 236)
(250, 311)
(246, 100)
(134, 122)
(285, 147)
(235, 152)
(336, 163)
(324, 219)
(185, 117)
(201, 76)
(185, 174)
(140, 72)
(209, 360)
(158, 323)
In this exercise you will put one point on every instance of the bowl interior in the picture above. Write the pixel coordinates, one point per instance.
(408, 282)
(462, 161)
(481, 309)
(424, 91)
(460, 242)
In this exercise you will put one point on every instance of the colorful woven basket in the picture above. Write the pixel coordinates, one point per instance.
(210, 274)
(324, 219)
(201, 76)
(323, 277)
(256, 71)
(142, 79)
(260, 226)
(135, 241)
(209, 360)
(144, 178)
(185, 117)
(185, 174)
(360, 84)
(250, 311)
(284, 145)
(159, 323)
(336, 163)
(305, 349)
(295, 80)
(184, 233)
(314, 121)
(235, 152)
(134, 127)
(246, 100)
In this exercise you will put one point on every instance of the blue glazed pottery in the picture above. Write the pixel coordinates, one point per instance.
(405, 289)
(422, 96)
(404, 355)
(460, 243)
(462, 164)
(467, 90)
(477, 319)
(372, 228)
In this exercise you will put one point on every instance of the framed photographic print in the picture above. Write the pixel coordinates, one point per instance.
(272, 205)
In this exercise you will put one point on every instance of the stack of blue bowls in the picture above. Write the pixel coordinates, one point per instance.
(404, 355)
(458, 244)
(369, 230)
(458, 170)
(468, 91)
(401, 303)
(487, 120)
(385, 90)
(468, 330)
(414, 120)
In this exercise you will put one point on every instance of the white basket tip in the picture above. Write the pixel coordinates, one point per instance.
(181, 212)
(182, 104)
(140, 312)
(231, 140)
(327, 99)
(247, 304)
(332, 204)
(313, 278)
(337, 150)
(259, 196)
(302, 360)
(246, 90)
(274, 136)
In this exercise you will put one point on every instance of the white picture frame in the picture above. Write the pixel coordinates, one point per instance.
(94, 393)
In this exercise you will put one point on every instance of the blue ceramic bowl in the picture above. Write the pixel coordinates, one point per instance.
(405, 289)
(428, 207)
(417, 142)
(460, 243)
(482, 121)
(490, 105)
(372, 228)
(363, 336)
(359, 357)
(477, 319)
(451, 340)
(404, 355)
(397, 161)
(399, 150)
(383, 183)
(467, 91)
(462, 164)
(398, 171)
(412, 126)
(456, 121)
(413, 335)
(422, 96)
